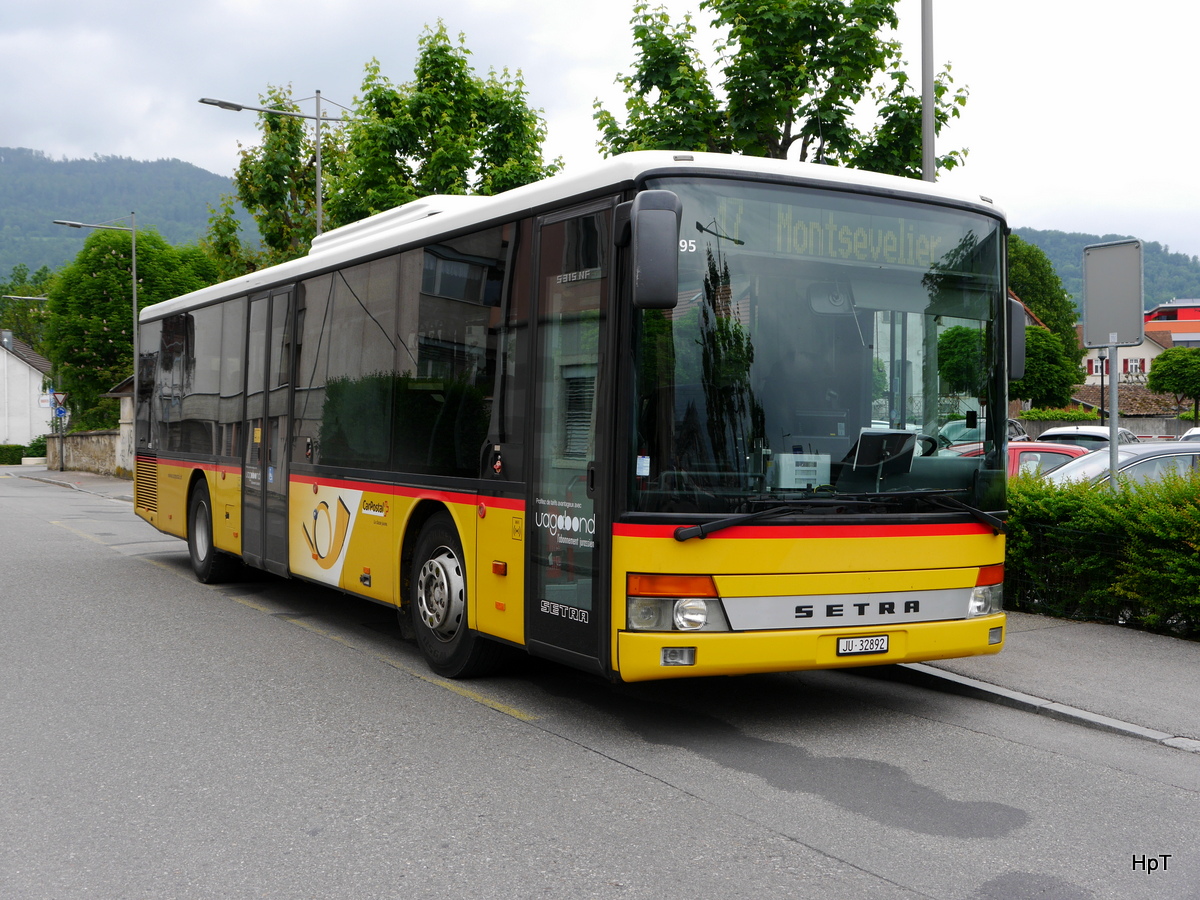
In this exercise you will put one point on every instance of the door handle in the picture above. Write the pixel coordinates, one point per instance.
(591, 479)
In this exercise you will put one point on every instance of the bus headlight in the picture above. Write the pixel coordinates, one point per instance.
(675, 614)
(690, 614)
(985, 600)
(988, 596)
(646, 614)
(673, 603)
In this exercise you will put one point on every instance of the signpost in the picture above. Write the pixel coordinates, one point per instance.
(1113, 314)
(59, 401)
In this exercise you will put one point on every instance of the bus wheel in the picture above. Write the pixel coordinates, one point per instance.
(210, 565)
(439, 605)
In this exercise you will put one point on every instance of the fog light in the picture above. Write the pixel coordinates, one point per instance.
(995, 635)
(678, 656)
(690, 614)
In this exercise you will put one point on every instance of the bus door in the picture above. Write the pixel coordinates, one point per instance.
(566, 618)
(265, 468)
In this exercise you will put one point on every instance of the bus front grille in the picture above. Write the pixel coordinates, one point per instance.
(145, 484)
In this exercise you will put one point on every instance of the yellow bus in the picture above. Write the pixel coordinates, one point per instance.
(677, 414)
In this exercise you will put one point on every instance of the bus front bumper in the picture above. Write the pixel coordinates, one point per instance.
(641, 656)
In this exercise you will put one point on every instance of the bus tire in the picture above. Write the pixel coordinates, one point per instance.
(438, 603)
(210, 564)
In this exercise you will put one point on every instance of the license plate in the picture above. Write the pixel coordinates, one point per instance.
(856, 645)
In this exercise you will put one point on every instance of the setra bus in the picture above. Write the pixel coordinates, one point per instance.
(674, 415)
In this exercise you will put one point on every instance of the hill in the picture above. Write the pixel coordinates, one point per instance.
(173, 197)
(169, 196)
(1165, 275)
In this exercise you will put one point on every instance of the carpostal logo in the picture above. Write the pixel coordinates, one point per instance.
(374, 507)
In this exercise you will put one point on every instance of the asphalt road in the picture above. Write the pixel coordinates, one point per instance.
(160, 738)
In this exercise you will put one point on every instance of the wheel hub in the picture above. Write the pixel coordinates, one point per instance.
(441, 590)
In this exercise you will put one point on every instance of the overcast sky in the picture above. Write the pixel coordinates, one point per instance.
(1082, 113)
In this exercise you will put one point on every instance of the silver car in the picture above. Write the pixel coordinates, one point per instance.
(1136, 463)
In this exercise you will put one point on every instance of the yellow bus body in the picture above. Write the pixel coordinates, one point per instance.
(351, 535)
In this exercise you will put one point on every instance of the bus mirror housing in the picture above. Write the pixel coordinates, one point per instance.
(654, 225)
(1016, 340)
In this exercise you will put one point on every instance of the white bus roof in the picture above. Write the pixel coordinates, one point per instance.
(440, 214)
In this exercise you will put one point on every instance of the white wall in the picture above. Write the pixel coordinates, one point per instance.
(21, 418)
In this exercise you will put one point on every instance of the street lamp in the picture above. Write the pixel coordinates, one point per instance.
(132, 229)
(318, 118)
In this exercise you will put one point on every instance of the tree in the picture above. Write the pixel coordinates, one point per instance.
(1031, 277)
(449, 131)
(796, 74)
(22, 311)
(1050, 374)
(961, 360)
(89, 328)
(276, 183)
(1177, 371)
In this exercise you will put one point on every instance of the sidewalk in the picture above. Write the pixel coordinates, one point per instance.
(1102, 676)
(88, 482)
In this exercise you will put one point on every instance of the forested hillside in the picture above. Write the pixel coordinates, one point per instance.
(173, 198)
(1166, 275)
(169, 196)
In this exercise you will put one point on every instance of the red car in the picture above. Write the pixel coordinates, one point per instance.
(1026, 457)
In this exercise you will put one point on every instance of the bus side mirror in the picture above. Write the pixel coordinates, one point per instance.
(654, 225)
(1016, 340)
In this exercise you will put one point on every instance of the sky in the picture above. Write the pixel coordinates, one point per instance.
(1081, 116)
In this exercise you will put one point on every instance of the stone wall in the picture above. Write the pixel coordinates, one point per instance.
(85, 451)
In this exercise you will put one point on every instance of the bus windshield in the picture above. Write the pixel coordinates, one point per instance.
(821, 343)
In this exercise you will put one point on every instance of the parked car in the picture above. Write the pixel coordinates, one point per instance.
(1192, 434)
(1136, 463)
(957, 432)
(1027, 457)
(1090, 436)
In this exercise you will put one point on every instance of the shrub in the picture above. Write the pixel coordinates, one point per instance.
(37, 447)
(10, 454)
(1128, 556)
(1060, 415)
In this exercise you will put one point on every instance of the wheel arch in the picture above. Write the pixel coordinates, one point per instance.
(197, 476)
(422, 512)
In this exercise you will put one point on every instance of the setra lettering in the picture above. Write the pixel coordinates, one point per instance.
(862, 608)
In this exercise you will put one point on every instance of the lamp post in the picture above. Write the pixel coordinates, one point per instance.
(318, 118)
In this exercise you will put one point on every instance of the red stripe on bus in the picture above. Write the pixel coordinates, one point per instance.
(414, 493)
(794, 532)
(190, 464)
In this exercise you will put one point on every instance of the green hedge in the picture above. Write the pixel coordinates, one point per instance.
(10, 454)
(1130, 557)
(1060, 415)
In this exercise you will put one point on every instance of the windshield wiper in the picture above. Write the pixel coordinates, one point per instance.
(687, 532)
(943, 499)
(937, 498)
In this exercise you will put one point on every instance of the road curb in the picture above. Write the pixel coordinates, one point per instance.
(74, 487)
(940, 679)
